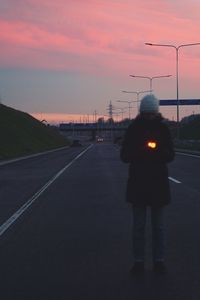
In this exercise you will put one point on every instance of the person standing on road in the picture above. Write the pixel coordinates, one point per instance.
(148, 147)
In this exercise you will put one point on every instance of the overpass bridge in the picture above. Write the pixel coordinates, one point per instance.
(114, 130)
(121, 126)
(92, 130)
(92, 127)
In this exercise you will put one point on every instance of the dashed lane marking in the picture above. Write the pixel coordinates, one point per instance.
(174, 180)
(188, 154)
(170, 178)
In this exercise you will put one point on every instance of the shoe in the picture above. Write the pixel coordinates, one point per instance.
(159, 267)
(137, 269)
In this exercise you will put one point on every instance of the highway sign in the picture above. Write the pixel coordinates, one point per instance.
(167, 102)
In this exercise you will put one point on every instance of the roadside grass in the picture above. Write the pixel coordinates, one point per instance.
(21, 134)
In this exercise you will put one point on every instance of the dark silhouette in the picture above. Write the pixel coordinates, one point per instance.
(148, 147)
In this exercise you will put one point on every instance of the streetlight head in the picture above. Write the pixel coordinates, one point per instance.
(132, 75)
(149, 44)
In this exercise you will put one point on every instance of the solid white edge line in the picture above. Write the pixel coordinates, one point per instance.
(174, 180)
(26, 205)
(6, 162)
(188, 154)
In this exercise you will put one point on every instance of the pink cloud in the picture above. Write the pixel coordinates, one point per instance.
(92, 35)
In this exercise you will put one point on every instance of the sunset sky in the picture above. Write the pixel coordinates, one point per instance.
(62, 60)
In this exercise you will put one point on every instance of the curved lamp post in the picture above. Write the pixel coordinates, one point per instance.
(122, 111)
(138, 94)
(150, 78)
(177, 72)
(129, 106)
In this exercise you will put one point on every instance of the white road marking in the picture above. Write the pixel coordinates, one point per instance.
(174, 180)
(171, 178)
(26, 205)
(6, 162)
(188, 154)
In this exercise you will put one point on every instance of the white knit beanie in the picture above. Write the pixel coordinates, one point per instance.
(149, 104)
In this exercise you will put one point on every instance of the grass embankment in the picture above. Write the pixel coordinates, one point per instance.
(21, 134)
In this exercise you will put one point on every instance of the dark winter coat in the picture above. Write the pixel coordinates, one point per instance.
(148, 182)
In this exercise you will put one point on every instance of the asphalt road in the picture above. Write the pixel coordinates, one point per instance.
(74, 241)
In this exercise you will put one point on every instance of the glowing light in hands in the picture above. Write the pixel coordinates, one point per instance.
(152, 144)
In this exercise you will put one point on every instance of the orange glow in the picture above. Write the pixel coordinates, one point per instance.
(94, 37)
(81, 53)
(152, 144)
(62, 118)
(57, 118)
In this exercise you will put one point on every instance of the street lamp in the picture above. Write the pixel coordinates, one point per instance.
(150, 78)
(137, 93)
(177, 71)
(129, 106)
(122, 111)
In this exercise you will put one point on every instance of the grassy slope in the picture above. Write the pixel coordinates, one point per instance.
(21, 134)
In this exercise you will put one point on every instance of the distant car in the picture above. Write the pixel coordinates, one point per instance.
(99, 139)
(76, 143)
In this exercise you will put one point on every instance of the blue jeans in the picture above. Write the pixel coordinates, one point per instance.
(157, 224)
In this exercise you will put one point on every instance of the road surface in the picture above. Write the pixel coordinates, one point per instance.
(65, 230)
